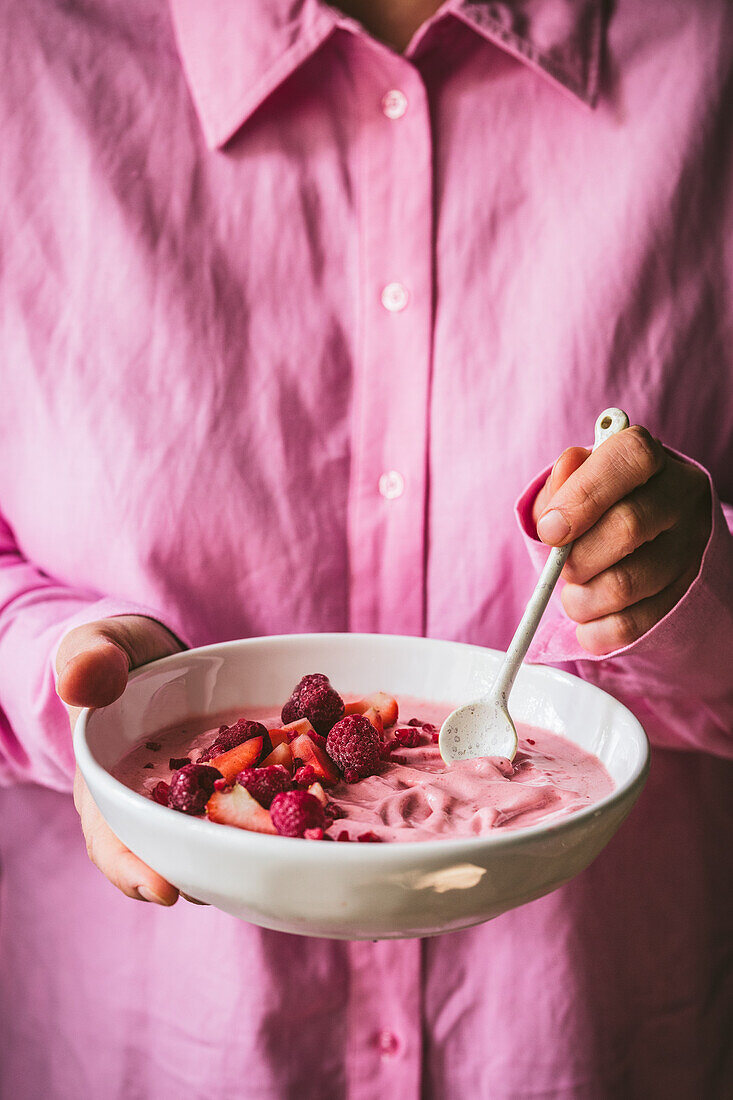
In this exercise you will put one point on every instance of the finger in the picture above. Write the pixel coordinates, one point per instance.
(124, 870)
(624, 627)
(94, 660)
(568, 462)
(637, 519)
(646, 572)
(620, 465)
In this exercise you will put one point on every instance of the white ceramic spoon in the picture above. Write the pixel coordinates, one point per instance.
(485, 727)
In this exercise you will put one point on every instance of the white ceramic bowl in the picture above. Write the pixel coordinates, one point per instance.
(357, 891)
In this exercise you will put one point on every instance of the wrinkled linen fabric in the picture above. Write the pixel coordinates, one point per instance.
(280, 350)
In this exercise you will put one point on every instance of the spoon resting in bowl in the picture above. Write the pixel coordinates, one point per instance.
(485, 727)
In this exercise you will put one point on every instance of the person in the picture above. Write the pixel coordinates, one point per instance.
(297, 301)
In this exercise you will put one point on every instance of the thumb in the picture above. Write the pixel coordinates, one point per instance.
(569, 461)
(94, 660)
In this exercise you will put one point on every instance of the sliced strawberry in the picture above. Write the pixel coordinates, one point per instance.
(375, 718)
(281, 754)
(385, 705)
(318, 791)
(309, 752)
(278, 737)
(294, 728)
(357, 707)
(236, 806)
(243, 756)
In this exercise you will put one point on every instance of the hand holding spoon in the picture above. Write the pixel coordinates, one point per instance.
(485, 727)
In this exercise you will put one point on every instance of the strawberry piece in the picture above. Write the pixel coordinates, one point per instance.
(281, 754)
(294, 728)
(278, 737)
(385, 705)
(310, 753)
(317, 790)
(236, 806)
(246, 755)
(375, 718)
(357, 707)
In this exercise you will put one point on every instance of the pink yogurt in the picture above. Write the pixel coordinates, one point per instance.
(416, 795)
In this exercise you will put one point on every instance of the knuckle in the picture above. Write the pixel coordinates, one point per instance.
(644, 451)
(631, 522)
(622, 583)
(627, 627)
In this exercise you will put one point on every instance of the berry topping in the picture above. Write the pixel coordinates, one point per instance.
(313, 834)
(304, 776)
(148, 765)
(177, 762)
(153, 746)
(369, 838)
(355, 746)
(236, 806)
(295, 811)
(229, 737)
(191, 788)
(314, 698)
(343, 835)
(409, 739)
(235, 760)
(160, 793)
(264, 783)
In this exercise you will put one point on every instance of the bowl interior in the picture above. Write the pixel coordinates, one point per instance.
(219, 679)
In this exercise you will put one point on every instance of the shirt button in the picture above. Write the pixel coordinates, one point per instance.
(394, 103)
(391, 485)
(387, 1043)
(395, 297)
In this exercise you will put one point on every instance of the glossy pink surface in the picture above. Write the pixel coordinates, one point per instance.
(416, 796)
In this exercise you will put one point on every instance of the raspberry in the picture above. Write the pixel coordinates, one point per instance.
(160, 793)
(295, 811)
(191, 788)
(229, 737)
(313, 834)
(177, 762)
(332, 812)
(314, 698)
(355, 746)
(304, 776)
(409, 739)
(264, 783)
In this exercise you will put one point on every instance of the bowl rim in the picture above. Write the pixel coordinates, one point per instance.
(405, 852)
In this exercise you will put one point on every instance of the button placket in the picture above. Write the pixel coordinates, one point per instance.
(386, 540)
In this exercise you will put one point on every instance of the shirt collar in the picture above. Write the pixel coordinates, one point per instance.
(236, 52)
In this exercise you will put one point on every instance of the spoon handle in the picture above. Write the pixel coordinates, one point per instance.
(608, 423)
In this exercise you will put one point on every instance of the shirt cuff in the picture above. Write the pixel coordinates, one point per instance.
(683, 659)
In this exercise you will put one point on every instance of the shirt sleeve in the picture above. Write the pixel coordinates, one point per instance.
(35, 614)
(677, 678)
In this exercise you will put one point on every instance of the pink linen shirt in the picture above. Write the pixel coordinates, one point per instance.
(287, 322)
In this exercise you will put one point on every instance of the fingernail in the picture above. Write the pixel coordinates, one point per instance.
(553, 527)
(149, 895)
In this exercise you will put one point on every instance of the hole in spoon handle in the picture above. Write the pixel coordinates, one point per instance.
(608, 423)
